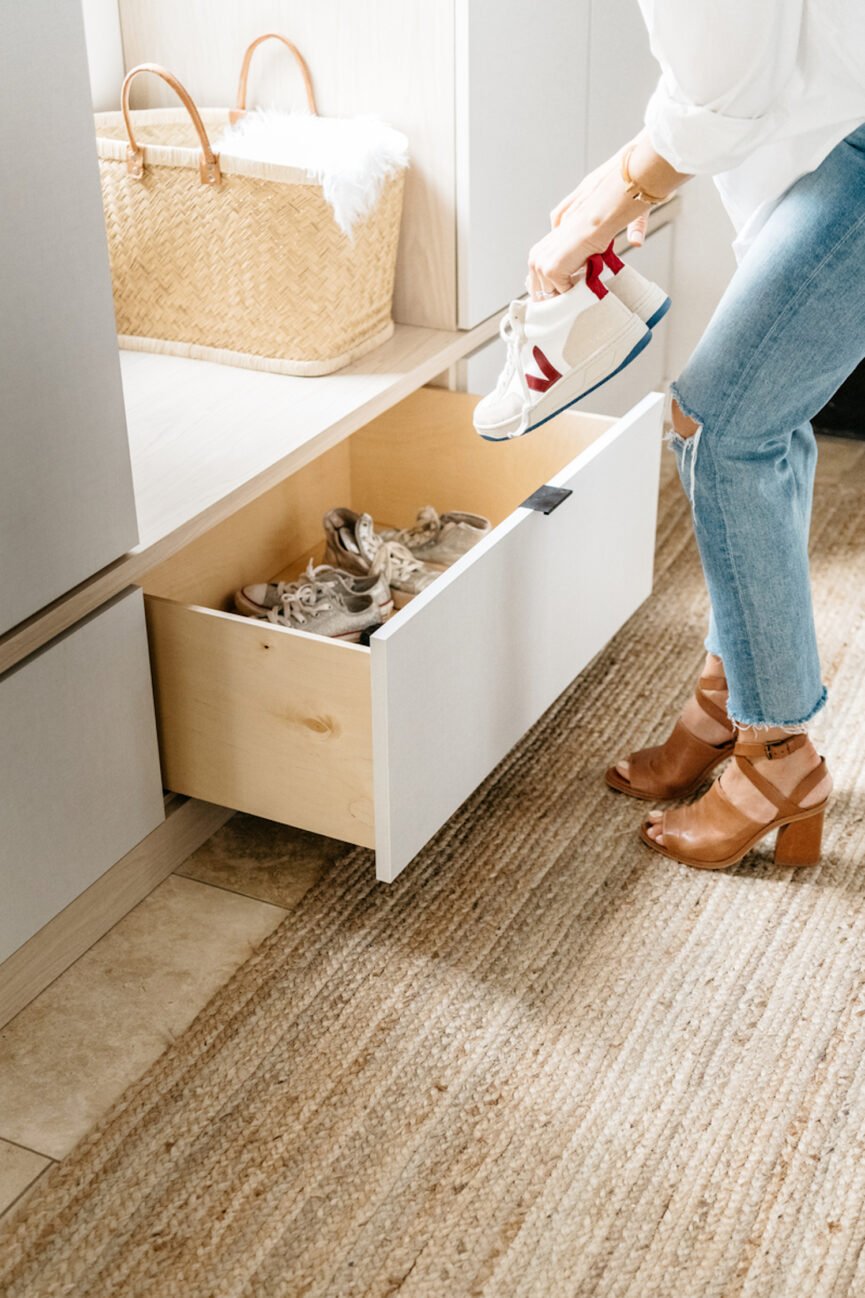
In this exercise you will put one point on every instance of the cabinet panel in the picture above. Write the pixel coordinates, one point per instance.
(623, 76)
(476, 658)
(79, 768)
(66, 503)
(521, 74)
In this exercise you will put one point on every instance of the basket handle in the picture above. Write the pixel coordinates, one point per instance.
(240, 109)
(208, 166)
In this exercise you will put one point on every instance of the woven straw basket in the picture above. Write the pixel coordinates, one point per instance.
(232, 260)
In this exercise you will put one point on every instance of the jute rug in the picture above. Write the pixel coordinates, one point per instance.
(543, 1063)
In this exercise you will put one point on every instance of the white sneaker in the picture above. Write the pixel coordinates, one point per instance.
(558, 350)
(325, 608)
(440, 539)
(640, 295)
(257, 600)
(354, 545)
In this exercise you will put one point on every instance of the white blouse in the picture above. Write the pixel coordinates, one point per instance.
(756, 92)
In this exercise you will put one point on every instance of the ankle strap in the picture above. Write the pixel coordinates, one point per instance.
(772, 748)
(709, 706)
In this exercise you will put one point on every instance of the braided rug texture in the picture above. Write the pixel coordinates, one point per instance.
(543, 1063)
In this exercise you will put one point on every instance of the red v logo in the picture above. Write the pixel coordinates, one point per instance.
(549, 371)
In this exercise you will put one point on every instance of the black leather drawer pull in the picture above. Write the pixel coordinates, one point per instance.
(546, 499)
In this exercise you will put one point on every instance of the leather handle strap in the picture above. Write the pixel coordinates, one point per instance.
(208, 166)
(240, 108)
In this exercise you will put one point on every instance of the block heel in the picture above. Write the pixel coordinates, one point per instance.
(712, 833)
(800, 842)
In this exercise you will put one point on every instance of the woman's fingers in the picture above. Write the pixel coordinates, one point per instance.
(637, 230)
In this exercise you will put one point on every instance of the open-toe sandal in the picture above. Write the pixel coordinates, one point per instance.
(712, 833)
(678, 766)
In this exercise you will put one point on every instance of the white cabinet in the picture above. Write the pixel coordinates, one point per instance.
(621, 76)
(66, 503)
(520, 86)
(79, 768)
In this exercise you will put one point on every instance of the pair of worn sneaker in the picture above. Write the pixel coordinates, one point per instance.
(366, 572)
(561, 348)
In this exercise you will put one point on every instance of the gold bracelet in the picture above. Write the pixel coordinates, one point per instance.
(635, 190)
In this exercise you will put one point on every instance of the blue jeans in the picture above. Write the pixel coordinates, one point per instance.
(787, 332)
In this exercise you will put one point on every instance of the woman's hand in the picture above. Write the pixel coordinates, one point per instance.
(584, 222)
(600, 207)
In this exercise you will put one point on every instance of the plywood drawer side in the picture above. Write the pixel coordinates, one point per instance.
(263, 719)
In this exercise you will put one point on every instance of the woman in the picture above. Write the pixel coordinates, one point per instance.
(770, 98)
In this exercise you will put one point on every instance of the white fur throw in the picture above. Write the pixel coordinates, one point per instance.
(349, 156)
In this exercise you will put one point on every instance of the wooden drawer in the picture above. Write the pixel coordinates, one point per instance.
(79, 768)
(380, 745)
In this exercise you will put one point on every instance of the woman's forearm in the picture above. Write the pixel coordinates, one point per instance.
(599, 208)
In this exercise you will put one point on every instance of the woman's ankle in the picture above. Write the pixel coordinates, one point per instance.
(713, 666)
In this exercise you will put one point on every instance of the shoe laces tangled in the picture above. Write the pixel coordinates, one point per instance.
(302, 600)
(396, 558)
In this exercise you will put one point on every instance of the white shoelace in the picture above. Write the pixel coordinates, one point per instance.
(513, 335)
(402, 562)
(301, 600)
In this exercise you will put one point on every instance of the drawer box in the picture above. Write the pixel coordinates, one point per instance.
(379, 745)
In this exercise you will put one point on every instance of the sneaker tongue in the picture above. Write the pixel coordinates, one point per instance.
(365, 539)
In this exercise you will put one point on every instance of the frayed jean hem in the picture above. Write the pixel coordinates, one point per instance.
(753, 724)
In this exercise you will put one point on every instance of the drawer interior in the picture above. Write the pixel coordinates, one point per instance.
(424, 451)
(271, 720)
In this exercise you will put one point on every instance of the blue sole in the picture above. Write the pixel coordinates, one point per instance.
(660, 313)
(632, 355)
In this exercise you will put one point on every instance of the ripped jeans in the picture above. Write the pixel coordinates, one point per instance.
(787, 332)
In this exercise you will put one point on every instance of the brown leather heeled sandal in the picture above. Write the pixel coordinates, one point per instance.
(678, 766)
(712, 833)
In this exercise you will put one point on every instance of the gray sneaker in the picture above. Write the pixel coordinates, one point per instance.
(353, 545)
(257, 600)
(325, 609)
(440, 539)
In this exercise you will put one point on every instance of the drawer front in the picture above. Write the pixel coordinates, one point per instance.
(475, 661)
(79, 768)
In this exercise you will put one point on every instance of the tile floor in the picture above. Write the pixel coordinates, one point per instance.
(67, 1056)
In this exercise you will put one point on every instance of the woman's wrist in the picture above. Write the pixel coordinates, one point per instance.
(650, 173)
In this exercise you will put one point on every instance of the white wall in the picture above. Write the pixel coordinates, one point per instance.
(104, 52)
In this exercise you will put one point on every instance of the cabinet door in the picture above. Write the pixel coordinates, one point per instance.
(622, 76)
(520, 137)
(66, 503)
(79, 766)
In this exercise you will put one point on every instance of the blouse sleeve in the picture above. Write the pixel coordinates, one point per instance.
(723, 65)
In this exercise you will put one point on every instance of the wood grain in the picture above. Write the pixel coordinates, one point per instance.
(264, 719)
